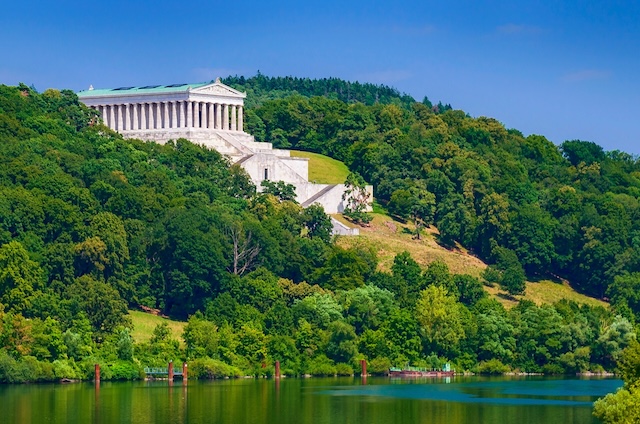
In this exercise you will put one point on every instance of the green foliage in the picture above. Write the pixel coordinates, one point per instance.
(317, 222)
(440, 316)
(492, 367)
(356, 199)
(91, 224)
(207, 368)
(620, 407)
(321, 366)
(629, 363)
(99, 302)
(281, 190)
(19, 276)
(342, 344)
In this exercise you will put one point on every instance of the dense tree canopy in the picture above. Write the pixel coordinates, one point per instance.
(92, 224)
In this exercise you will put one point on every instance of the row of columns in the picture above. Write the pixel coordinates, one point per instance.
(172, 114)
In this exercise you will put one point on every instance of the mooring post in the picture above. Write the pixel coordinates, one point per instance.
(184, 372)
(363, 364)
(97, 373)
(170, 371)
(277, 369)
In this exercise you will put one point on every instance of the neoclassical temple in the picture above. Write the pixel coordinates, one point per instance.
(157, 107)
(210, 114)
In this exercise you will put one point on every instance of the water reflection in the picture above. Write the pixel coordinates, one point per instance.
(287, 401)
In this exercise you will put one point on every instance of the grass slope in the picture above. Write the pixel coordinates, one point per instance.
(144, 323)
(388, 238)
(323, 169)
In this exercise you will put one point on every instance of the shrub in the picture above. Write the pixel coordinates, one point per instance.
(321, 365)
(492, 367)
(379, 365)
(64, 368)
(344, 369)
(123, 370)
(212, 368)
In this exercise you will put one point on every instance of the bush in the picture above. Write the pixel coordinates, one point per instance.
(379, 365)
(493, 367)
(344, 369)
(321, 366)
(65, 368)
(619, 407)
(123, 370)
(27, 369)
(553, 369)
(207, 368)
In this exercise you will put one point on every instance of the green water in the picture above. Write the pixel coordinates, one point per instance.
(332, 400)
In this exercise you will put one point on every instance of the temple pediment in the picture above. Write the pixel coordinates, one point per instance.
(218, 88)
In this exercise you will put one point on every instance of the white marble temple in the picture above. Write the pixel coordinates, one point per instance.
(209, 114)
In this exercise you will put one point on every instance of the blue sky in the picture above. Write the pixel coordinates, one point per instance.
(563, 69)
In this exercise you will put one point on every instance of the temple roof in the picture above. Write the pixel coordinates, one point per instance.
(147, 89)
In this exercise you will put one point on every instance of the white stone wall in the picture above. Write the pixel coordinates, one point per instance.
(327, 195)
(342, 230)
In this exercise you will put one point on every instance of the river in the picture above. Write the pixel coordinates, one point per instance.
(380, 400)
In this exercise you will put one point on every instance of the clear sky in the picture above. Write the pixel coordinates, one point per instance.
(563, 69)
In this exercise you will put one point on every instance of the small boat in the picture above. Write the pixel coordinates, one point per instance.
(408, 371)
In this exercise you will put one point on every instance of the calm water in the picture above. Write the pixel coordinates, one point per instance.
(332, 400)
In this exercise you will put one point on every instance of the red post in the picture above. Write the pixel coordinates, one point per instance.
(97, 372)
(184, 371)
(277, 369)
(170, 371)
(363, 364)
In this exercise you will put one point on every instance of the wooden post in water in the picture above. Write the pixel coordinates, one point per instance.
(363, 364)
(277, 375)
(170, 372)
(97, 373)
(184, 372)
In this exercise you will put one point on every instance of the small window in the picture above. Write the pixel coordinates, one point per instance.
(266, 173)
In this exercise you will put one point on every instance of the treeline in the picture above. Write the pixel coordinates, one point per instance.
(523, 204)
(261, 88)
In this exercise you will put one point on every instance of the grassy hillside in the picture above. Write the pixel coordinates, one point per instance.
(144, 323)
(323, 169)
(389, 237)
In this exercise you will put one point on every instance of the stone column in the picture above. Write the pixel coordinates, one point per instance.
(196, 114)
(152, 116)
(143, 116)
(174, 115)
(127, 116)
(218, 116)
(225, 117)
(233, 118)
(166, 115)
(211, 117)
(240, 119)
(203, 115)
(112, 117)
(189, 114)
(118, 126)
(182, 115)
(136, 121)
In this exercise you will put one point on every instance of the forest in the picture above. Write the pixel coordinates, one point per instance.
(92, 225)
